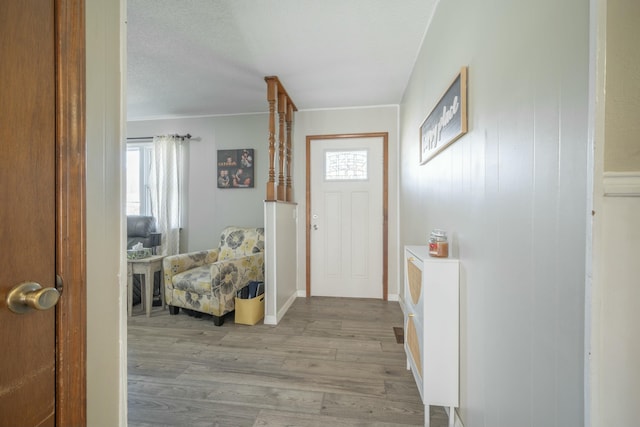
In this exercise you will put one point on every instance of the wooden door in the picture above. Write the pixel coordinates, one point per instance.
(42, 367)
(347, 216)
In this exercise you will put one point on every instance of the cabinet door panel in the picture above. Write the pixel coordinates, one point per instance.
(414, 278)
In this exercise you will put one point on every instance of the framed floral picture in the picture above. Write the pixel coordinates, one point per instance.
(235, 168)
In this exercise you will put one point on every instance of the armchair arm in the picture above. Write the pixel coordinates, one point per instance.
(174, 264)
(230, 275)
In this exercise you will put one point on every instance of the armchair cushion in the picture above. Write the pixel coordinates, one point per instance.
(196, 280)
(236, 242)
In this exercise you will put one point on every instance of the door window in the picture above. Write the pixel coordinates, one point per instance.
(345, 165)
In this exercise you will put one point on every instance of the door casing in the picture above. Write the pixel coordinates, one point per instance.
(70, 213)
(385, 203)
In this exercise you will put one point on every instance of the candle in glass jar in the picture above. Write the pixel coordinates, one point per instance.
(438, 244)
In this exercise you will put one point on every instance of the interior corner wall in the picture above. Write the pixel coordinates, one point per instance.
(346, 121)
(105, 308)
(615, 343)
(512, 195)
(207, 208)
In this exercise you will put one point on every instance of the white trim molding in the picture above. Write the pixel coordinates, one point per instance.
(621, 184)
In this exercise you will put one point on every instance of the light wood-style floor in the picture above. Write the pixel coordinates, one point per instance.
(330, 362)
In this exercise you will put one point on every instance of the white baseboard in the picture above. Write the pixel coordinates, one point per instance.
(270, 320)
(402, 306)
(286, 305)
(621, 184)
(390, 297)
(273, 320)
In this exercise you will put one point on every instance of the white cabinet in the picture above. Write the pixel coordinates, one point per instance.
(431, 325)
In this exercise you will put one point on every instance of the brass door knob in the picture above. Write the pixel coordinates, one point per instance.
(31, 296)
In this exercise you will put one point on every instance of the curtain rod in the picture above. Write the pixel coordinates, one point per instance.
(187, 136)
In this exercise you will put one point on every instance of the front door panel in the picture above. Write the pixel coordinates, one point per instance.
(347, 219)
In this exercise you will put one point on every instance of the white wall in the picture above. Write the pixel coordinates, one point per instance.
(622, 86)
(281, 253)
(343, 121)
(512, 194)
(209, 209)
(615, 343)
(106, 337)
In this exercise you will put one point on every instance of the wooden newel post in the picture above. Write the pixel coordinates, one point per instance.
(289, 184)
(272, 89)
(277, 93)
(282, 108)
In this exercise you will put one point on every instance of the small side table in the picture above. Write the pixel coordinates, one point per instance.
(147, 268)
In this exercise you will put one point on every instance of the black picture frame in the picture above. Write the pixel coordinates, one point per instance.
(235, 168)
(447, 121)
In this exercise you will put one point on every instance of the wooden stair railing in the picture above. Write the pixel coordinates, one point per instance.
(276, 94)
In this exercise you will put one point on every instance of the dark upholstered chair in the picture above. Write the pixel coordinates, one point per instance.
(142, 229)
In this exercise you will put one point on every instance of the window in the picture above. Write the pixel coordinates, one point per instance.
(345, 165)
(138, 165)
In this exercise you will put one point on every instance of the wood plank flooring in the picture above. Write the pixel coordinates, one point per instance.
(330, 362)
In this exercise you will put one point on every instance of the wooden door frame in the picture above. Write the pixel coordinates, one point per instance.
(385, 203)
(71, 401)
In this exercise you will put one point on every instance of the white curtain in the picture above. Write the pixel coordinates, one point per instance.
(164, 184)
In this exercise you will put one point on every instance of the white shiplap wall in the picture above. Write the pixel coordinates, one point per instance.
(512, 194)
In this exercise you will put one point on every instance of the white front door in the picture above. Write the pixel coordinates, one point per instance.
(346, 207)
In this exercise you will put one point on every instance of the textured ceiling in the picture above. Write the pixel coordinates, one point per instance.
(210, 57)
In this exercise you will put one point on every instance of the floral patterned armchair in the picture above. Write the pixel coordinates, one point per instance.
(207, 281)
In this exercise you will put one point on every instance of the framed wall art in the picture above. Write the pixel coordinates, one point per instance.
(235, 168)
(447, 121)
